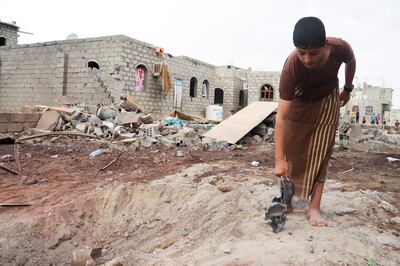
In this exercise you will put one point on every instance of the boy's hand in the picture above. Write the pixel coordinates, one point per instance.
(344, 97)
(281, 169)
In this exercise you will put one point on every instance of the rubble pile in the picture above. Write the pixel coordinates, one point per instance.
(127, 125)
(372, 139)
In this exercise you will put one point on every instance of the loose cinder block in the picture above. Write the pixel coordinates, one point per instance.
(3, 127)
(17, 117)
(4, 117)
(34, 117)
(14, 127)
(28, 125)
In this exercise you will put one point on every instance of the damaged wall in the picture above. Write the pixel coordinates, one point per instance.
(89, 71)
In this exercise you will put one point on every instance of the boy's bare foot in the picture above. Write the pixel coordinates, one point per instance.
(315, 218)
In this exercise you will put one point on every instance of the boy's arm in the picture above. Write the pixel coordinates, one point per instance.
(349, 71)
(281, 166)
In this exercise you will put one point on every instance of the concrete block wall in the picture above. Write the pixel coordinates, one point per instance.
(10, 32)
(231, 80)
(44, 72)
(79, 79)
(256, 79)
(27, 76)
(180, 68)
(186, 68)
(18, 122)
(133, 54)
(369, 95)
(55, 73)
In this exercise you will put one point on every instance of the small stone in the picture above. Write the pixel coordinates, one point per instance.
(116, 262)
(345, 210)
(224, 188)
(387, 206)
(179, 153)
(290, 233)
(7, 158)
(227, 251)
(395, 220)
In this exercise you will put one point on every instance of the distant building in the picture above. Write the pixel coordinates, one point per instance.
(8, 34)
(368, 100)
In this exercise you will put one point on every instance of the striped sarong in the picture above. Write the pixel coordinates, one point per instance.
(309, 139)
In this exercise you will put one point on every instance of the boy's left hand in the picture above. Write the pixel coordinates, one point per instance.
(344, 97)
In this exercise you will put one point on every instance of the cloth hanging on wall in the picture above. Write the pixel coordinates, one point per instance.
(165, 80)
(139, 81)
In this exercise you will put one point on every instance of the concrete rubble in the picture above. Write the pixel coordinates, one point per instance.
(136, 129)
(354, 137)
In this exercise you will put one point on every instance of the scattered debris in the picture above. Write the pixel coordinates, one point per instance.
(395, 220)
(2, 167)
(352, 169)
(255, 163)
(345, 210)
(109, 164)
(392, 160)
(8, 205)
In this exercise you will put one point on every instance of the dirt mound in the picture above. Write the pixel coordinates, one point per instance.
(208, 212)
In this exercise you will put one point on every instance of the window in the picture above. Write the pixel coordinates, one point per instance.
(369, 110)
(355, 108)
(266, 93)
(218, 96)
(241, 98)
(93, 64)
(3, 41)
(141, 78)
(204, 89)
(193, 87)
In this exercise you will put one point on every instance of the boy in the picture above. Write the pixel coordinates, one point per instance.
(308, 111)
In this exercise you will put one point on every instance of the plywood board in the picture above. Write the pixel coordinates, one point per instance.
(235, 127)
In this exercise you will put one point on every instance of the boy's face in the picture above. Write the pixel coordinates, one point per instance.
(311, 58)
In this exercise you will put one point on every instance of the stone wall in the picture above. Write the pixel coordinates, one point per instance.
(17, 122)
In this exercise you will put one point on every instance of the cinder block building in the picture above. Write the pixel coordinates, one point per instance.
(93, 71)
(368, 100)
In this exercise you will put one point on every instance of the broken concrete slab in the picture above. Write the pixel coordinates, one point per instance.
(235, 127)
(362, 138)
(106, 112)
(359, 147)
(45, 108)
(82, 127)
(382, 147)
(147, 119)
(356, 131)
(48, 120)
(127, 118)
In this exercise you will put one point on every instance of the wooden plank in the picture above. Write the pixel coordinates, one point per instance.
(14, 205)
(235, 127)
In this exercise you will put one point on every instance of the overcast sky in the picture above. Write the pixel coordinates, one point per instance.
(245, 33)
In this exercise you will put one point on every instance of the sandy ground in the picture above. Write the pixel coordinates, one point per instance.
(206, 208)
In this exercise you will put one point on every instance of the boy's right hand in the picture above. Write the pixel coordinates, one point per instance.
(281, 169)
